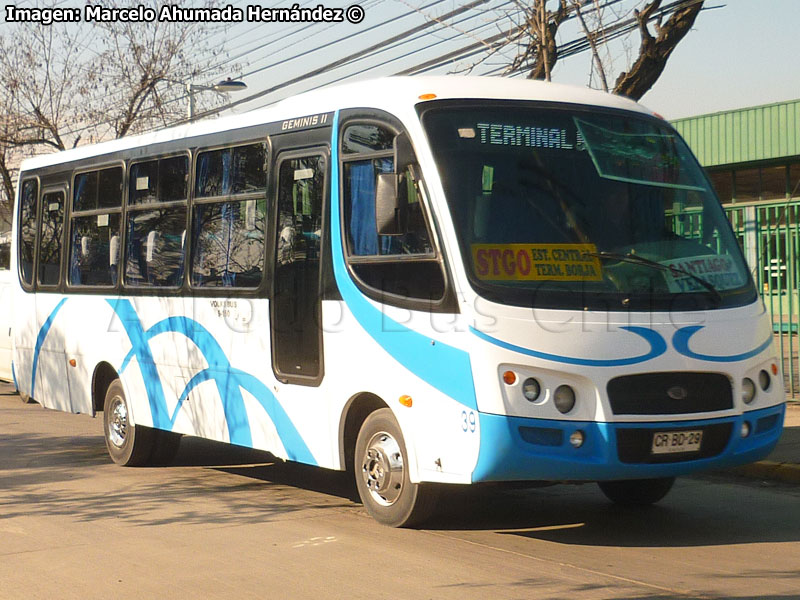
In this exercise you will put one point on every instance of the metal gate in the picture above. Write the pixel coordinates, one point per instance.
(769, 234)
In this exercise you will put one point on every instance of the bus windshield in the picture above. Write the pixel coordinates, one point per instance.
(583, 208)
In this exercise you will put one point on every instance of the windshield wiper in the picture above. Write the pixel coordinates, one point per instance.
(639, 260)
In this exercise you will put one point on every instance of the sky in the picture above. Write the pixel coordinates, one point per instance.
(740, 52)
(745, 54)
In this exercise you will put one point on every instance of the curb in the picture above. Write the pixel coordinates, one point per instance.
(770, 470)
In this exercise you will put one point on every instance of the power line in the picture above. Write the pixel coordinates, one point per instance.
(339, 62)
(392, 43)
(405, 55)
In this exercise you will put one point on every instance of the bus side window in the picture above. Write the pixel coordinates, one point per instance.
(403, 265)
(155, 245)
(229, 217)
(95, 227)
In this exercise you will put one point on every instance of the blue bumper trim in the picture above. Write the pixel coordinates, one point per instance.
(505, 455)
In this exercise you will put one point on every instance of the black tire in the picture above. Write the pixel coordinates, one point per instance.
(128, 445)
(637, 492)
(165, 447)
(380, 465)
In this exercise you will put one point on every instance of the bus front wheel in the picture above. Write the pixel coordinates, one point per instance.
(637, 492)
(381, 472)
(128, 445)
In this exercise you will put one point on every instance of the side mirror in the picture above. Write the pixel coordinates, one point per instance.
(391, 189)
(391, 202)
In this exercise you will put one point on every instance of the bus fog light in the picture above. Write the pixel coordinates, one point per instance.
(748, 390)
(564, 399)
(577, 438)
(745, 431)
(764, 380)
(531, 389)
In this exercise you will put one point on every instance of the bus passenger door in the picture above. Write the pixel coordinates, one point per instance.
(296, 299)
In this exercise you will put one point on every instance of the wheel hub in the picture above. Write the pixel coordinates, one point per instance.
(118, 423)
(382, 469)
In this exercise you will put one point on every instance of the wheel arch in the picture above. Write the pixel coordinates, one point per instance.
(102, 377)
(355, 412)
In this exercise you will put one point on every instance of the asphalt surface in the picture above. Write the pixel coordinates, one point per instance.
(783, 463)
(225, 522)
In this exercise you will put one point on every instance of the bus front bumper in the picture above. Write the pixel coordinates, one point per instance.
(522, 449)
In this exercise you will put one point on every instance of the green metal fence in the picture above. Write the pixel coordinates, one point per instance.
(769, 234)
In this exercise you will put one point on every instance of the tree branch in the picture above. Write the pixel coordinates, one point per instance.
(655, 51)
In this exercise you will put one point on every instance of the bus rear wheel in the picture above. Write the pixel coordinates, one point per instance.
(637, 492)
(128, 445)
(381, 472)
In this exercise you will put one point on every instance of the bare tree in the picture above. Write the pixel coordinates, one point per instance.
(671, 24)
(533, 32)
(540, 26)
(595, 37)
(66, 84)
(654, 51)
(146, 65)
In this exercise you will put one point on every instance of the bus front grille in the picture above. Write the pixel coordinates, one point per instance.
(669, 393)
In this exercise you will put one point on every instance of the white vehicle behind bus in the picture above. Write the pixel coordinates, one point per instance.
(425, 280)
(5, 307)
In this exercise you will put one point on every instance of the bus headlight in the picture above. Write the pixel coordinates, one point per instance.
(531, 389)
(564, 399)
(748, 390)
(764, 380)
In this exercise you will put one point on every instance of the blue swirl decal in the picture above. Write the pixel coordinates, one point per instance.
(658, 346)
(681, 342)
(229, 381)
(444, 367)
(45, 329)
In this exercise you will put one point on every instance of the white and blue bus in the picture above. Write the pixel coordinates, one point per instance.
(426, 280)
(5, 306)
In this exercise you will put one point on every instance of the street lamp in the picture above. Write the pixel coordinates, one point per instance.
(228, 85)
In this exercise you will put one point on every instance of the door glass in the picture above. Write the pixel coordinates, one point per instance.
(296, 301)
(50, 238)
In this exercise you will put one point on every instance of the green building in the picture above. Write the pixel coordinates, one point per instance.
(752, 156)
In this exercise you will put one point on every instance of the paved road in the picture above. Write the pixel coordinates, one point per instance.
(226, 523)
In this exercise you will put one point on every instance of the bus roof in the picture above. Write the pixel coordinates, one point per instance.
(393, 94)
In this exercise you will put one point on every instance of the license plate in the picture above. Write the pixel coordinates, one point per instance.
(669, 442)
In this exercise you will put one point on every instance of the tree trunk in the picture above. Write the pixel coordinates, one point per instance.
(655, 51)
